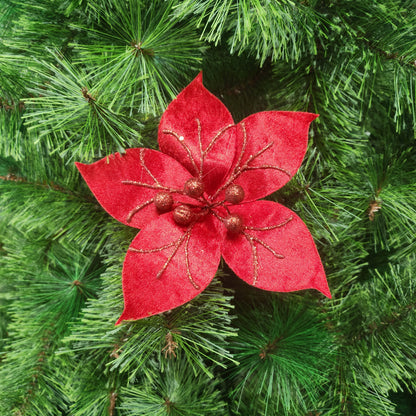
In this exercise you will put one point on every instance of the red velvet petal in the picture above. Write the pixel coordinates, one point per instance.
(297, 265)
(105, 179)
(196, 120)
(283, 137)
(185, 276)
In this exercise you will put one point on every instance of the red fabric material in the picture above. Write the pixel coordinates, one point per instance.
(105, 179)
(169, 263)
(146, 295)
(287, 135)
(299, 266)
(192, 104)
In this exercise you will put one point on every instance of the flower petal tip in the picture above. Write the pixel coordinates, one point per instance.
(79, 165)
(321, 284)
(119, 320)
(199, 78)
(125, 316)
(309, 117)
(197, 82)
(325, 291)
(83, 169)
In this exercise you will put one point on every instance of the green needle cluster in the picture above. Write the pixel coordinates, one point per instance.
(80, 79)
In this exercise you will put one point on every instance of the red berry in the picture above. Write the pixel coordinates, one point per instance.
(183, 215)
(234, 194)
(234, 224)
(193, 187)
(163, 201)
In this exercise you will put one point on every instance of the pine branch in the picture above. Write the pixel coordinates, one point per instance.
(383, 312)
(14, 80)
(74, 118)
(36, 26)
(274, 338)
(279, 31)
(46, 300)
(175, 390)
(139, 54)
(51, 186)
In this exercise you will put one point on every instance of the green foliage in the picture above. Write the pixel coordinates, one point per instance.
(71, 111)
(80, 79)
(141, 55)
(48, 284)
(175, 391)
(13, 79)
(377, 339)
(11, 131)
(285, 358)
(266, 29)
(35, 24)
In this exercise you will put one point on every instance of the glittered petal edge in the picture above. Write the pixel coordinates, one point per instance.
(168, 265)
(125, 184)
(276, 251)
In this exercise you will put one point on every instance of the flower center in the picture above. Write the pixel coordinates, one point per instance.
(187, 213)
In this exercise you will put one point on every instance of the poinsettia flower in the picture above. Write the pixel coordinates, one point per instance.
(196, 201)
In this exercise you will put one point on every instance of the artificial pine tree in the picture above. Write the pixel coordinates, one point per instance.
(81, 79)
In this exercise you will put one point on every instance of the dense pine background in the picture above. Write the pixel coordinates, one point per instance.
(80, 79)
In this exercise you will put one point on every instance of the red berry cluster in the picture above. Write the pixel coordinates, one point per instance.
(185, 214)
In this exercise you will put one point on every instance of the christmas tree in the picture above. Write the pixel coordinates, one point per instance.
(83, 79)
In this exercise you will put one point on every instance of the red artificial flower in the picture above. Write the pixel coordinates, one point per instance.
(196, 201)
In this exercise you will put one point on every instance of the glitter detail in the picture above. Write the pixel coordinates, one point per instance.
(251, 239)
(185, 237)
(181, 141)
(204, 153)
(183, 215)
(156, 185)
(254, 251)
(141, 155)
(169, 259)
(271, 227)
(234, 194)
(198, 122)
(215, 138)
(163, 201)
(194, 188)
(268, 167)
(150, 186)
(238, 170)
(152, 250)
(255, 258)
(188, 269)
(266, 246)
(210, 145)
(137, 209)
(234, 224)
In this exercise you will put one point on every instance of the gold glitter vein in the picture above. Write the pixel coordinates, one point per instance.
(138, 208)
(185, 237)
